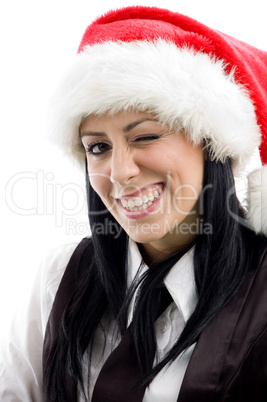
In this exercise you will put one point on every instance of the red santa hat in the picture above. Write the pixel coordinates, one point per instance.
(190, 76)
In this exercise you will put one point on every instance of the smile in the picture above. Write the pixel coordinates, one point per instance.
(139, 203)
(143, 202)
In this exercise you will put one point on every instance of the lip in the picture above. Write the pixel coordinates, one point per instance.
(142, 190)
(144, 212)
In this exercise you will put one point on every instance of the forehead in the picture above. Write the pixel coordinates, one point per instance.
(120, 120)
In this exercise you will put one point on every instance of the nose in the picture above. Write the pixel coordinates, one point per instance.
(123, 167)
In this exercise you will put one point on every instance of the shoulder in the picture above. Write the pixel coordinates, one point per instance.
(248, 375)
(53, 266)
(259, 256)
(21, 348)
(236, 338)
(253, 291)
(54, 263)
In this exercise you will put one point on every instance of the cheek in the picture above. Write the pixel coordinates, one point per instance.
(191, 160)
(197, 172)
(99, 183)
(188, 171)
(157, 160)
(99, 180)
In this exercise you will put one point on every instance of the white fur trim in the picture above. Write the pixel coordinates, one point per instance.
(257, 200)
(183, 88)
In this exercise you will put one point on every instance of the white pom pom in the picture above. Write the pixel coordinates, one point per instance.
(257, 200)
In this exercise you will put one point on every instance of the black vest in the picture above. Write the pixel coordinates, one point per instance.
(229, 362)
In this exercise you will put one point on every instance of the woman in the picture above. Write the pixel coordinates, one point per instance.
(166, 300)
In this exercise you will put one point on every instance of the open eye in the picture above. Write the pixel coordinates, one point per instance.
(97, 148)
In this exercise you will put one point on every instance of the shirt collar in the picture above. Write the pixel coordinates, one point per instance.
(180, 281)
(134, 261)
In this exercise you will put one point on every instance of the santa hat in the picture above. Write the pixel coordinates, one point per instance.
(188, 75)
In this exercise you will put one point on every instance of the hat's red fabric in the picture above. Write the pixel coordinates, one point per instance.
(149, 23)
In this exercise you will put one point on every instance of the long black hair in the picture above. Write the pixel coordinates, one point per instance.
(222, 258)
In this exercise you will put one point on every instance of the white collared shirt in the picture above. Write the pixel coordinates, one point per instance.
(21, 351)
(181, 286)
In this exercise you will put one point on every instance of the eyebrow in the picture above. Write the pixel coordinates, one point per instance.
(131, 126)
(126, 129)
(92, 134)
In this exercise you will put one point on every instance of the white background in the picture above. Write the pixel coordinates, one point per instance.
(42, 193)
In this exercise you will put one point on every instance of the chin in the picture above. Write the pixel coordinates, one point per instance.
(145, 234)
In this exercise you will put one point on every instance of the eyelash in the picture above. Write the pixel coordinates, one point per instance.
(90, 147)
(148, 137)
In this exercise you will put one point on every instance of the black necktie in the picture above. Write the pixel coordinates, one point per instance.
(119, 375)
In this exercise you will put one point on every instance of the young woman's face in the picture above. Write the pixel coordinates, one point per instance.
(148, 177)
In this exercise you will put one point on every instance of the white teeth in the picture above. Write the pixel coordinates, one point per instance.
(145, 199)
(138, 201)
(150, 197)
(131, 203)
